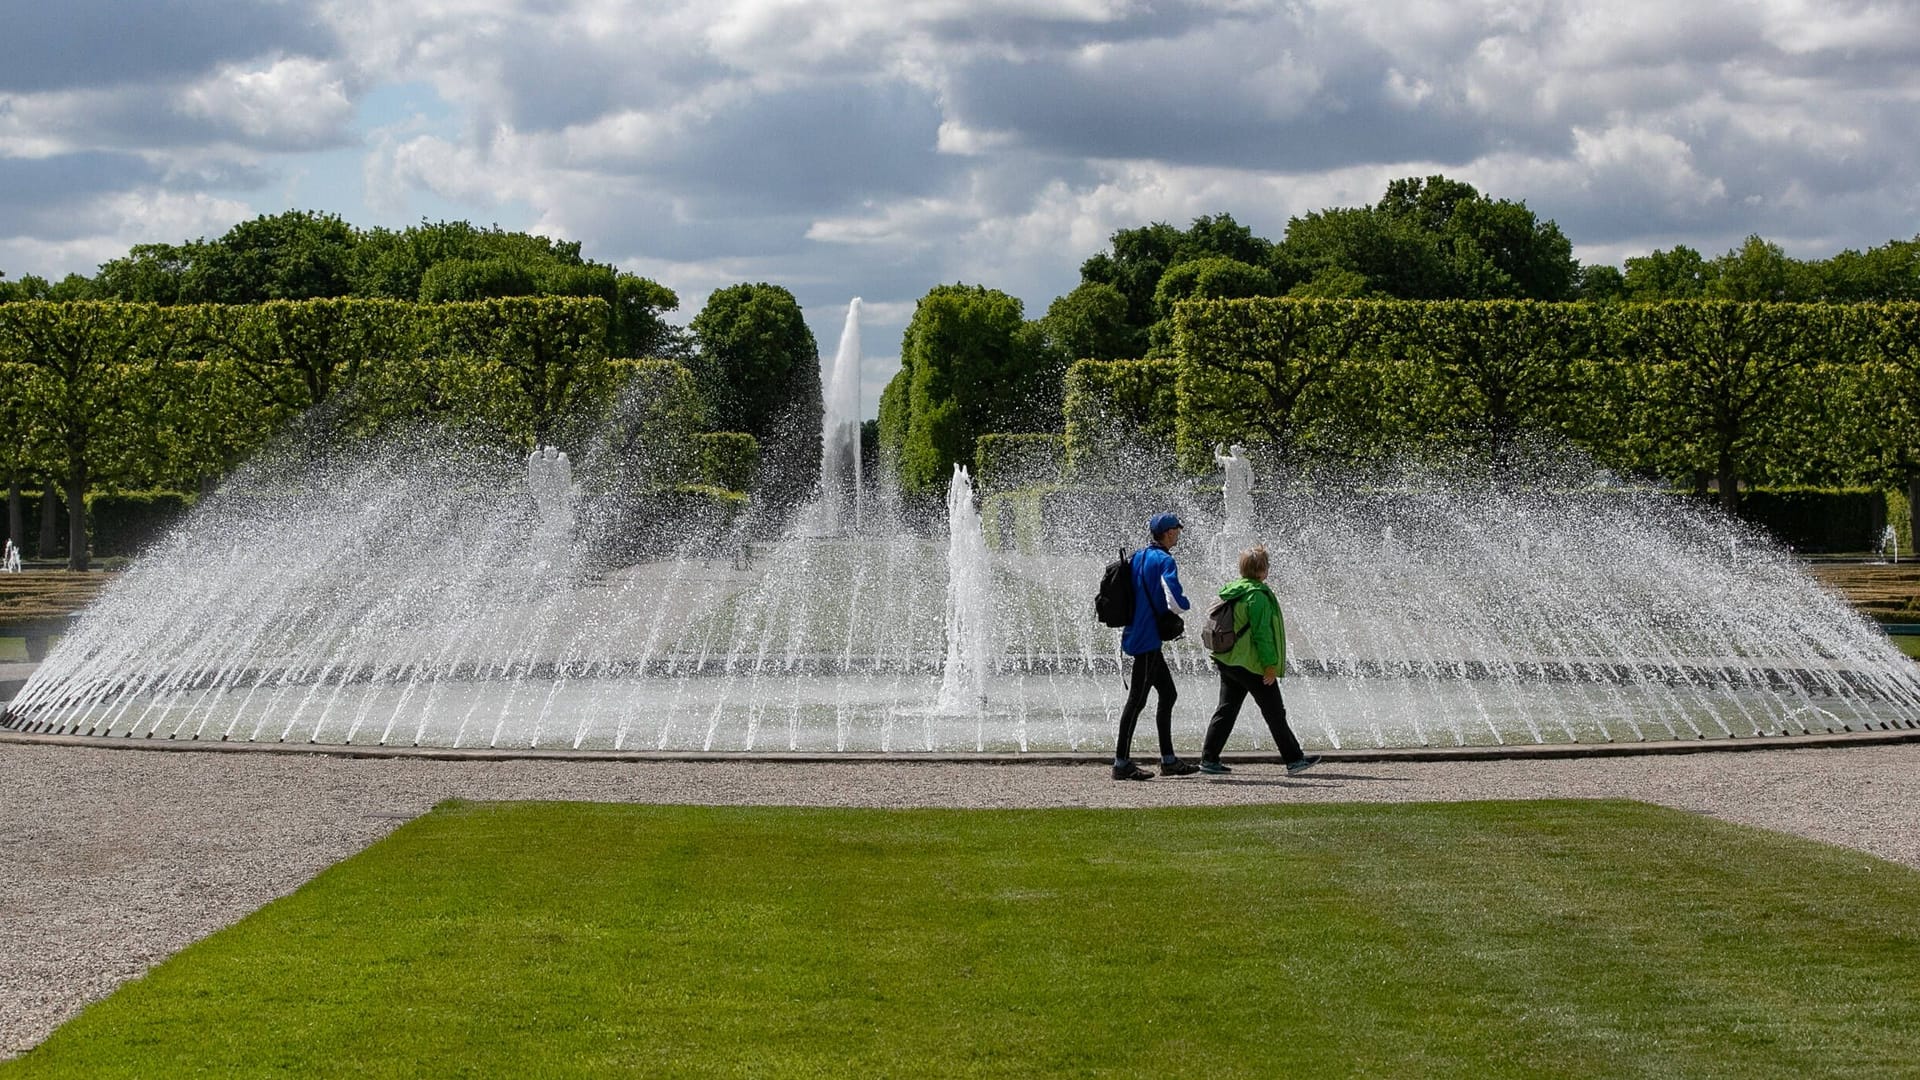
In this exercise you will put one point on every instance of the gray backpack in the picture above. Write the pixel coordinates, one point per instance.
(1217, 633)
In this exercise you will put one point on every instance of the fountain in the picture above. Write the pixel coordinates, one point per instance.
(1890, 545)
(838, 511)
(969, 660)
(357, 599)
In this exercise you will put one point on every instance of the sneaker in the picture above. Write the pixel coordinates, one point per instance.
(1213, 768)
(1131, 772)
(1294, 768)
(1178, 768)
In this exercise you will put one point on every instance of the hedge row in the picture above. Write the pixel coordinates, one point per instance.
(118, 522)
(1046, 517)
(138, 396)
(1696, 393)
(1819, 520)
(1117, 411)
(1736, 392)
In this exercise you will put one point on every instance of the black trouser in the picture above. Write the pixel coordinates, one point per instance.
(1235, 684)
(1149, 672)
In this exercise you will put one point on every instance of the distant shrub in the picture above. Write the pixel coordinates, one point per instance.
(124, 522)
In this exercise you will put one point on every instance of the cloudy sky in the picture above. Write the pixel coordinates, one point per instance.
(848, 147)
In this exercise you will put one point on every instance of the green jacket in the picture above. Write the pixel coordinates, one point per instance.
(1261, 640)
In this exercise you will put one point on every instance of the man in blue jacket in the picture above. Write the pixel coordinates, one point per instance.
(1155, 579)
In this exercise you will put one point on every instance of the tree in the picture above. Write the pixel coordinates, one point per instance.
(1717, 371)
(1503, 365)
(551, 352)
(294, 355)
(1214, 278)
(458, 280)
(1885, 403)
(1367, 253)
(636, 330)
(33, 287)
(970, 365)
(1090, 323)
(304, 255)
(395, 265)
(23, 435)
(759, 369)
(296, 255)
(1139, 256)
(1761, 271)
(91, 367)
(754, 349)
(1677, 274)
(1600, 283)
(1248, 368)
(149, 274)
(1888, 272)
(1429, 238)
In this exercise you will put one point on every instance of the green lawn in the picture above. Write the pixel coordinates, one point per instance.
(1604, 939)
(1909, 644)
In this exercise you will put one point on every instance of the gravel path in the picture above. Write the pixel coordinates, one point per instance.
(112, 860)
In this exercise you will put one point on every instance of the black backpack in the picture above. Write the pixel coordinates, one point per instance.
(1113, 604)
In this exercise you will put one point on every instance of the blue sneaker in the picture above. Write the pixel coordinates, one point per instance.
(1213, 768)
(1295, 768)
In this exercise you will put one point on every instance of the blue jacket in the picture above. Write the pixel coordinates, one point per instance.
(1151, 567)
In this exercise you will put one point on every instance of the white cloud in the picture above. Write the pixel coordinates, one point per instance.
(844, 147)
(104, 228)
(293, 100)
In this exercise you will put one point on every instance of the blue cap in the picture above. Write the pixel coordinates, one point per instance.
(1162, 522)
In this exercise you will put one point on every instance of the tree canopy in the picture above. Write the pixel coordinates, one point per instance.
(969, 364)
(759, 369)
(307, 255)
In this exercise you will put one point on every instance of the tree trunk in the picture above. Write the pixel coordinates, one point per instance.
(1913, 513)
(1729, 486)
(77, 519)
(49, 523)
(16, 516)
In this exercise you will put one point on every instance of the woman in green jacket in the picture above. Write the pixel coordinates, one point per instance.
(1253, 666)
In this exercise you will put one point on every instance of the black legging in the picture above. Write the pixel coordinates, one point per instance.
(1235, 684)
(1149, 672)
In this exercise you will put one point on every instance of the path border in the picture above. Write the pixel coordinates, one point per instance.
(1511, 752)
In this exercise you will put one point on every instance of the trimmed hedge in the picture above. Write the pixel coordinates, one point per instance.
(136, 395)
(1748, 394)
(118, 522)
(1816, 520)
(125, 522)
(1116, 412)
(1286, 376)
(1004, 461)
(728, 459)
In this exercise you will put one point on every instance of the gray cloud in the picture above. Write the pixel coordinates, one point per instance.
(95, 43)
(842, 148)
(38, 194)
(820, 147)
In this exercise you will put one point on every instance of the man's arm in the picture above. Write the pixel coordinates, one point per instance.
(1172, 579)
